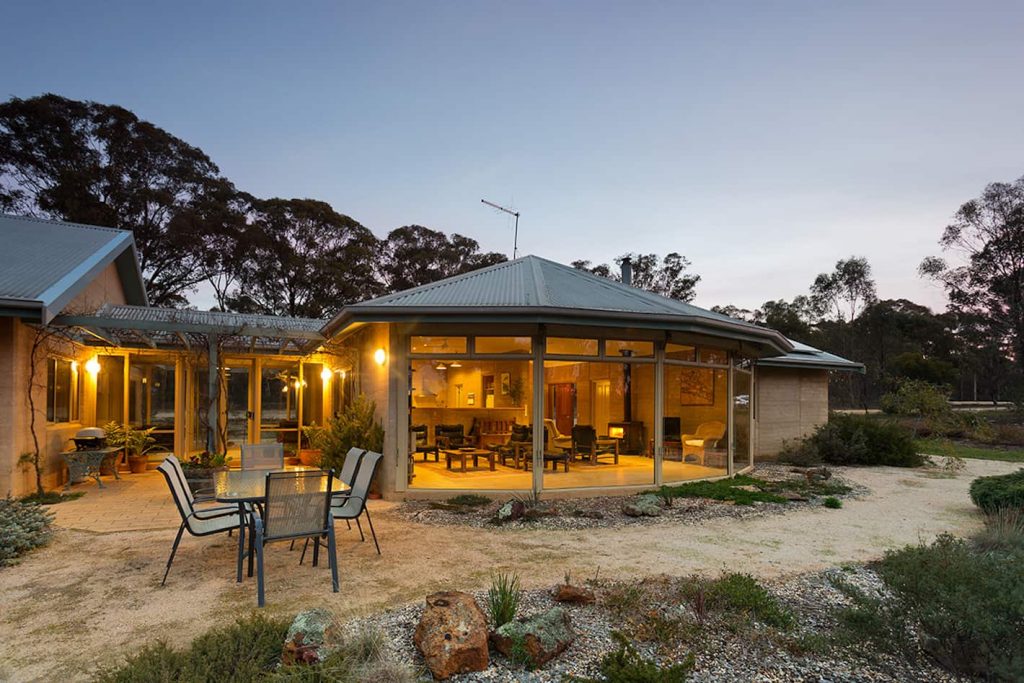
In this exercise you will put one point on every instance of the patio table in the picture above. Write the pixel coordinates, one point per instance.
(82, 464)
(249, 488)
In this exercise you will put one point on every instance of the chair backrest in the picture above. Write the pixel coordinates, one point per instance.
(711, 430)
(672, 428)
(420, 432)
(179, 490)
(361, 485)
(583, 436)
(521, 433)
(457, 430)
(180, 473)
(549, 423)
(297, 504)
(351, 465)
(262, 456)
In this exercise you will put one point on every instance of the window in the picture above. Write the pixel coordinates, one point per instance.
(630, 349)
(439, 345)
(680, 352)
(713, 356)
(504, 345)
(151, 398)
(110, 390)
(61, 390)
(564, 346)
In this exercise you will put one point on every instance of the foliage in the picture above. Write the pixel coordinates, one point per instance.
(51, 497)
(1003, 530)
(832, 503)
(967, 606)
(846, 291)
(23, 526)
(999, 492)
(206, 460)
(503, 598)
(469, 500)
(741, 593)
(722, 489)
(626, 665)
(414, 255)
(856, 440)
(133, 441)
(917, 397)
(356, 426)
(250, 650)
(667, 276)
(100, 164)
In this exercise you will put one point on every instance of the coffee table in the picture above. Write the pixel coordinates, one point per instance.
(461, 455)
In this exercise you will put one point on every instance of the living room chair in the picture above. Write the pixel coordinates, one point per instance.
(705, 438)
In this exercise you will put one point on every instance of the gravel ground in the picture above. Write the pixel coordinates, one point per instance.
(723, 652)
(606, 511)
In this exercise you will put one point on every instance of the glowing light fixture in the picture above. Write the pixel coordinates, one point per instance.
(74, 366)
(380, 356)
(455, 364)
(440, 365)
(325, 374)
(92, 365)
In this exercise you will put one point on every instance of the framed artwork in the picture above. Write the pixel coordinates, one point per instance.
(696, 386)
(506, 383)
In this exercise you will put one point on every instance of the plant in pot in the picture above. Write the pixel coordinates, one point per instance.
(356, 426)
(136, 443)
(199, 469)
(313, 435)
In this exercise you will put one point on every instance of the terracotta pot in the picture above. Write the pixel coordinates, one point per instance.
(138, 463)
(310, 457)
(290, 461)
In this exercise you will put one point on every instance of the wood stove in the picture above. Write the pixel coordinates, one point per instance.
(630, 434)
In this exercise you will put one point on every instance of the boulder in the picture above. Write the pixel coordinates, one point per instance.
(510, 511)
(452, 635)
(574, 594)
(312, 636)
(645, 505)
(535, 640)
(818, 474)
(792, 496)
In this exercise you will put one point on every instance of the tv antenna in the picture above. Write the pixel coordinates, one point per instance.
(515, 239)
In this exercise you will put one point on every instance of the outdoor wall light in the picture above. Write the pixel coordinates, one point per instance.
(325, 374)
(92, 365)
(380, 356)
(74, 366)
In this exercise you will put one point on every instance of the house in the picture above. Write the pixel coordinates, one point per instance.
(628, 389)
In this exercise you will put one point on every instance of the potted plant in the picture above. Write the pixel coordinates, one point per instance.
(136, 443)
(314, 436)
(199, 469)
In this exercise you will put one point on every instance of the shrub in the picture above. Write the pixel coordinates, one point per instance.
(503, 598)
(833, 503)
(741, 593)
(23, 526)
(917, 397)
(857, 440)
(625, 665)
(1004, 530)
(999, 492)
(722, 489)
(356, 427)
(469, 500)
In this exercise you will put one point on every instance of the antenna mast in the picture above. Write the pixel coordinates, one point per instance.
(515, 239)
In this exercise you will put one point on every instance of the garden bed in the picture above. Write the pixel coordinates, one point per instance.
(688, 503)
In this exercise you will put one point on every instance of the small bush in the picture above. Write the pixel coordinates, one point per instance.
(741, 593)
(51, 497)
(832, 503)
(625, 665)
(917, 397)
(723, 489)
(999, 492)
(469, 500)
(503, 598)
(856, 440)
(23, 526)
(1004, 530)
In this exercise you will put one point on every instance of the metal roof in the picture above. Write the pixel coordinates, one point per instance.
(47, 263)
(537, 289)
(805, 356)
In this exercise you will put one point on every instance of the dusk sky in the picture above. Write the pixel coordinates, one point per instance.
(762, 140)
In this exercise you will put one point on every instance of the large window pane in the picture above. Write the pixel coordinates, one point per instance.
(681, 352)
(696, 412)
(598, 417)
(713, 356)
(632, 349)
(504, 345)
(110, 390)
(741, 416)
(442, 345)
(59, 390)
(151, 398)
(565, 346)
(279, 404)
(312, 394)
(481, 405)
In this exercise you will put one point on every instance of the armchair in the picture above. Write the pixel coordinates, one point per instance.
(418, 437)
(450, 436)
(706, 437)
(584, 444)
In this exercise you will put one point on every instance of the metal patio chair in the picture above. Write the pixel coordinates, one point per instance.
(201, 522)
(352, 505)
(297, 506)
(262, 456)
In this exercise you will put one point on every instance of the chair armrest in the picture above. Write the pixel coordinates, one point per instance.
(198, 514)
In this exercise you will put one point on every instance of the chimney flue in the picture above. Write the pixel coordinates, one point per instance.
(627, 272)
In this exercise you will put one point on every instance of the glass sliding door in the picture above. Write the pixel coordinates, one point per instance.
(151, 396)
(280, 386)
(742, 412)
(696, 416)
(110, 390)
(238, 409)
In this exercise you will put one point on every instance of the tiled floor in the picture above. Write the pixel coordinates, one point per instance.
(136, 502)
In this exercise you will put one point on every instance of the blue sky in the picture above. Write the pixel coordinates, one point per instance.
(762, 140)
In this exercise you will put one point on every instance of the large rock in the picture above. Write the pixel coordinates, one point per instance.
(644, 505)
(312, 636)
(452, 634)
(577, 595)
(535, 640)
(510, 511)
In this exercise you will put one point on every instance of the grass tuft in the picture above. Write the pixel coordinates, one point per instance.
(503, 598)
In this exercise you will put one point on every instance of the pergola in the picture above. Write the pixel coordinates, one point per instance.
(196, 331)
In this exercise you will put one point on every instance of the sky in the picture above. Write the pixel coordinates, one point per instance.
(764, 141)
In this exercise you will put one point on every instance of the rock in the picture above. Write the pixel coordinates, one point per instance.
(452, 635)
(510, 511)
(645, 505)
(568, 593)
(792, 496)
(535, 640)
(818, 474)
(748, 487)
(311, 637)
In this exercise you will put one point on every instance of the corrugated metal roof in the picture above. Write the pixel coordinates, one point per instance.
(46, 261)
(805, 356)
(208, 319)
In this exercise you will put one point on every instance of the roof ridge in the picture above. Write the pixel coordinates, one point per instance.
(539, 283)
(444, 282)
